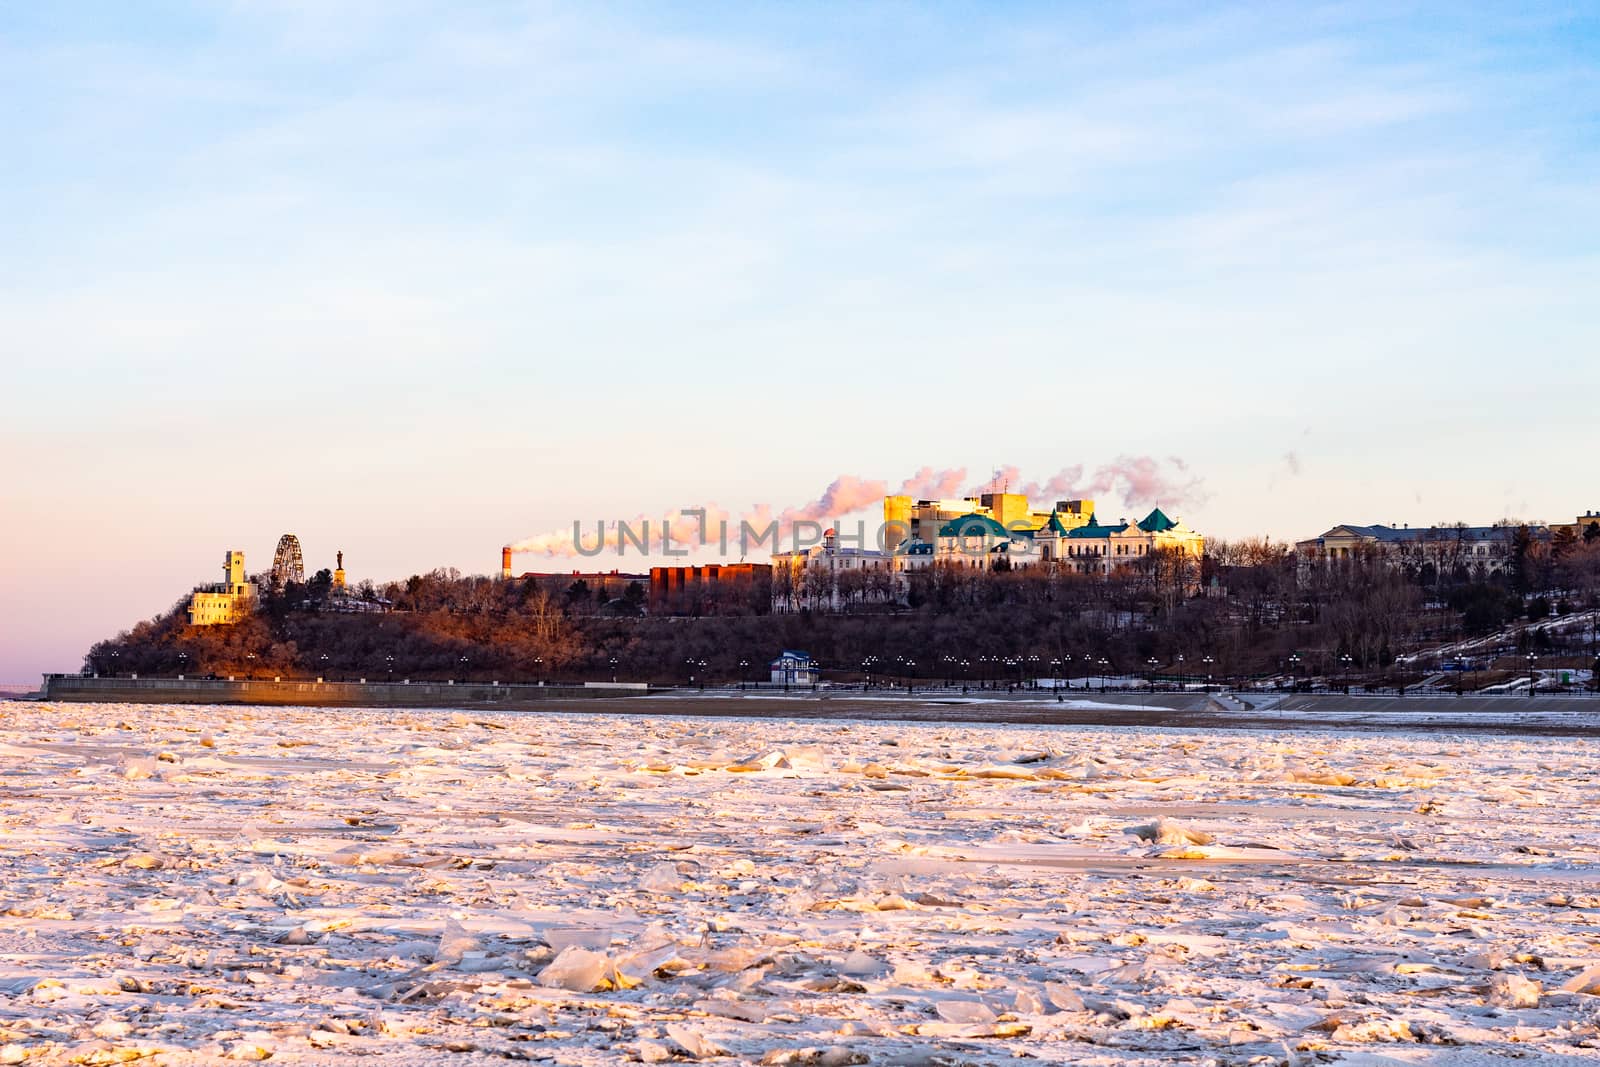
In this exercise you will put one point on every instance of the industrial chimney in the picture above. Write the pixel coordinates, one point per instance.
(505, 563)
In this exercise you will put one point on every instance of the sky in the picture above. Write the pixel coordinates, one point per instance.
(417, 280)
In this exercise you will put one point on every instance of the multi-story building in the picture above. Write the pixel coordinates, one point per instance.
(611, 584)
(827, 576)
(905, 519)
(978, 541)
(1094, 548)
(994, 531)
(1585, 527)
(226, 602)
(1475, 551)
(707, 590)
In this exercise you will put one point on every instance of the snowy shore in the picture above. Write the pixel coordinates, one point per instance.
(188, 884)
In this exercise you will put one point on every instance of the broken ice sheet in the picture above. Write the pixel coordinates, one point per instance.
(396, 885)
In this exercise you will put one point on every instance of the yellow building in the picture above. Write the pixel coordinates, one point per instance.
(1585, 527)
(906, 520)
(216, 605)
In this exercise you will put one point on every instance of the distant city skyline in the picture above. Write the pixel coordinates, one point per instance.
(416, 281)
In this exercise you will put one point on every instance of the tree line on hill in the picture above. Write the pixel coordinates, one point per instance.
(1245, 609)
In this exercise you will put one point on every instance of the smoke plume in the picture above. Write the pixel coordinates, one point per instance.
(930, 484)
(1136, 480)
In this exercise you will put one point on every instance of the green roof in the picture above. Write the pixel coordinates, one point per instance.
(1094, 529)
(1156, 522)
(973, 525)
(1054, 525)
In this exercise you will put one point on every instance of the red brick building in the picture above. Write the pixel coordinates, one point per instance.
(712, 589)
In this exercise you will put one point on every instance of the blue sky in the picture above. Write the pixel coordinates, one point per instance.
(416, 280)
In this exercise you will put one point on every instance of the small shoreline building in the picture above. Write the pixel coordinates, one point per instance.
(794, 667)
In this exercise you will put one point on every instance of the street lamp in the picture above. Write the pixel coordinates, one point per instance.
(1104, 664)
(323, 661)
(250, 664)
(1152, 663)
(613, 668)
(388, 661)
(744, 672)
(1208, 662)
(538, 669)
(463, 668)
(1294, 664)
(1344, 662)
(702, 674)
(183, 664)
(1533, 678)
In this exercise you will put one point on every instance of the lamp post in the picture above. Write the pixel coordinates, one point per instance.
(911, 675)
(538, 669)
(613, 662)
(1344, 663)
(183, 664)
(322, 666)
(1208, 662)
(114, 654)
(1055, 672)
(1181, 688)
(388, 661)
(1294, 664)
(1533, 677)
(867, 664)
(1152, 663)
(702, 665)
(744, 672)
(1104, 664)
(250, 664)
(463, 662)
(1033, 671)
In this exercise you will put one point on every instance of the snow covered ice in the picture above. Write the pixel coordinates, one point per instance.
(185, 885)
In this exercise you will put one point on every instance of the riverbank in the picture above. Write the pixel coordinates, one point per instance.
(1491, 713)
(320, 693)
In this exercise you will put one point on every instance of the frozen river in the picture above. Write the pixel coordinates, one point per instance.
(183, 884)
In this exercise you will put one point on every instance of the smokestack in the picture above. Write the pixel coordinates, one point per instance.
(505, 563)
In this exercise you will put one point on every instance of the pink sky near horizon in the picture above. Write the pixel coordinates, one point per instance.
(416, 281)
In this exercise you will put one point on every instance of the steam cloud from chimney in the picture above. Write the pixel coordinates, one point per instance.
(1138, 480)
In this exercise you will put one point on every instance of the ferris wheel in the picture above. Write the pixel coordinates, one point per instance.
(287, 564)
